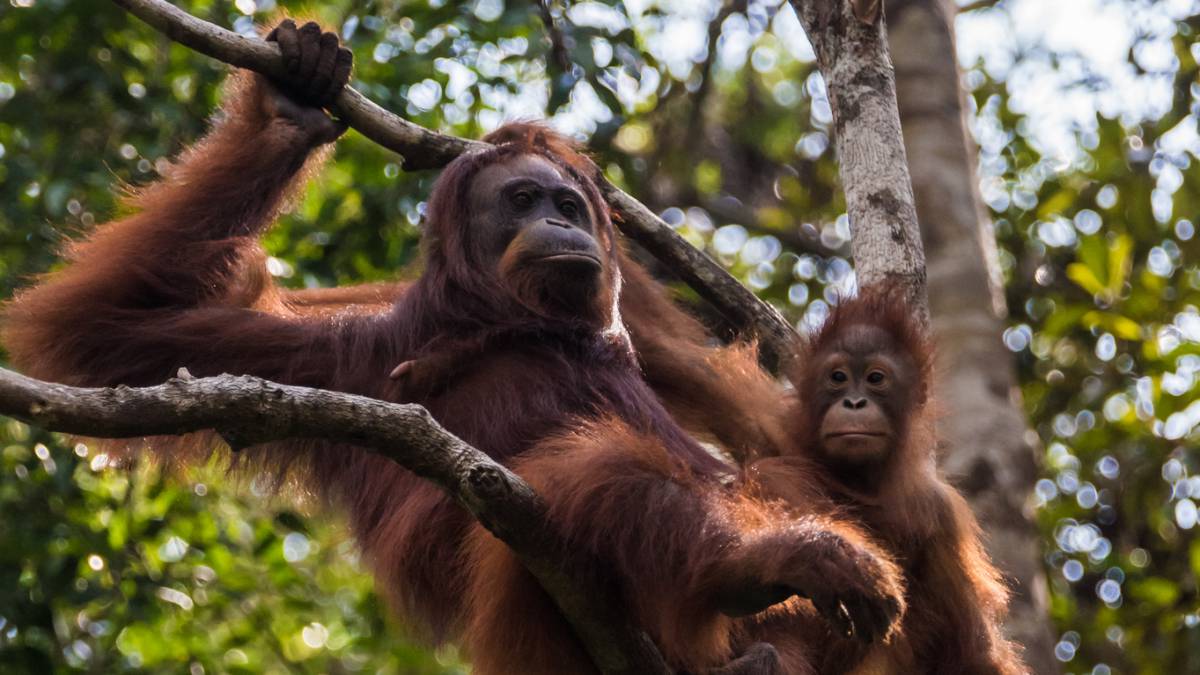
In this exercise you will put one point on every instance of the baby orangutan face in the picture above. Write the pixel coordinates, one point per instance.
(865, 385)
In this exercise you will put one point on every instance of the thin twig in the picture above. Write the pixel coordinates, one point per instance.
(978, 4)
(558, 42)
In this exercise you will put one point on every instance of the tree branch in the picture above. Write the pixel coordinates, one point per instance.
(853, 57)
(558, 41)
(422, 148)
(978, 4)
(253, 411)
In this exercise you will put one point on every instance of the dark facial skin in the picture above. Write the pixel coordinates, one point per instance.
(866, 386)
(528, 206)
(533, 225)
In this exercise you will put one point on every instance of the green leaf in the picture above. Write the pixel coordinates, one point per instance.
(1085, 278)
(1056, 204)
(1120, 262)
(1155, 591)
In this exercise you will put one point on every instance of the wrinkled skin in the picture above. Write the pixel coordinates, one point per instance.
(534, 228)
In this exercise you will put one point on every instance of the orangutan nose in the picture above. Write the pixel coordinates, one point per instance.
(854, 403)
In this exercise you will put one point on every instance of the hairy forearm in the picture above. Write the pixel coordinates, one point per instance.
(719, 393)
(232, 182)
(762, 569)
(190, 238)
(189, 243)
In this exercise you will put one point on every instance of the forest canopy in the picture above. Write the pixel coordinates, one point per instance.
(715, 117)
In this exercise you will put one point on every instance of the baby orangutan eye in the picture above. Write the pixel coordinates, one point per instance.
(838, 377)
(875, 377)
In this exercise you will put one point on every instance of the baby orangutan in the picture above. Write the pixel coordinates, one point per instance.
(863, 423)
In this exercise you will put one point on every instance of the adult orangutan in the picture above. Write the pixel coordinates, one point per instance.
(520, 274)
(862, 426)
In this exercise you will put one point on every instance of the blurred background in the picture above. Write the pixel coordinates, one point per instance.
(1073, 420)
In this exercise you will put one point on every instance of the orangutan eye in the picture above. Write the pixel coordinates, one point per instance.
(875, 377)
(522, 199)
(838, 377)
(569, 208)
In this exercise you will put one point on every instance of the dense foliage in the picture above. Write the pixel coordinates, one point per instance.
(110, 570)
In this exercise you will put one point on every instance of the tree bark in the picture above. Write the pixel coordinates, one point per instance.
(852, 54)
(249, 410)
(984, 429)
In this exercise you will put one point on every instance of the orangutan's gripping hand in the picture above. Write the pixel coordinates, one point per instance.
(317, 68)
(858, 591)
(853, 585)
